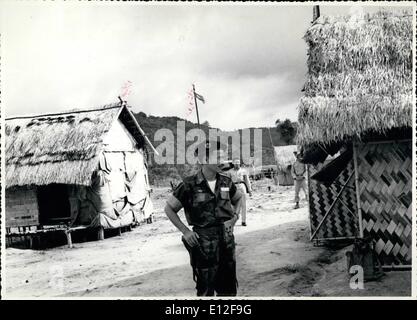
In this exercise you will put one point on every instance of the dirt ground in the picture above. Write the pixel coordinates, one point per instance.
(274, 259)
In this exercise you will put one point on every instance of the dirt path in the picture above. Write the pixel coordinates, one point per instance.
(261, 272)
(274, 258)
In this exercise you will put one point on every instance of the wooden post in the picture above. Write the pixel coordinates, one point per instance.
(69, 239)
(30, 241)
(316, 12)
(101, 233)
(358, 200)
(38, 240)
(196, 107)
(309, 199)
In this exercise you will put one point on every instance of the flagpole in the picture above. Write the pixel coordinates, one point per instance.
(196, 107)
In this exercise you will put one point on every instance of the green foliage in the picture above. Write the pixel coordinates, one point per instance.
(287, 130)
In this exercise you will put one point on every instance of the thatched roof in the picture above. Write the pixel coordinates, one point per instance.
(359, 77)
(284, 155)
(61, 148)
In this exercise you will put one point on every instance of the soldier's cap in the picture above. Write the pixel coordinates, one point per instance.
(209, 146)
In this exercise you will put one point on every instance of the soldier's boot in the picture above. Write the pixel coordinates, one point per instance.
(297, 205)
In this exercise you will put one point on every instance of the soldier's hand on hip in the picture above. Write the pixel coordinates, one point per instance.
(191, 238)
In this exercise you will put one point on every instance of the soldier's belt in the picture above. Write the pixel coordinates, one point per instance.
(210, 230)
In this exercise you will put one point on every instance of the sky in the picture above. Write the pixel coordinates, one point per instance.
(247, 60)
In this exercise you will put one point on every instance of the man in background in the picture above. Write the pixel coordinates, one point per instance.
(298, 171)
(240, 178)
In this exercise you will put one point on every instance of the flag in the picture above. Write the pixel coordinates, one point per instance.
(200, 97)
(126, 89)
(191, 105)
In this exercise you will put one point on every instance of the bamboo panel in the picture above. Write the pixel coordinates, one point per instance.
(340, 223)
(21, 207)
(385, 189)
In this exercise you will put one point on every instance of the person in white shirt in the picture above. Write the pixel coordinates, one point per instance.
(240, 178)
(298, 171)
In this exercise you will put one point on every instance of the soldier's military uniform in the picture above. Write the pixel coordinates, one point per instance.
(213, 261)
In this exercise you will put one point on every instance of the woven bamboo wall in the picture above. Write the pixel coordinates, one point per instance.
(385, 188)
(340, 223)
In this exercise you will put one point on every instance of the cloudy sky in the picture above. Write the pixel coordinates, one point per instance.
(248, 61)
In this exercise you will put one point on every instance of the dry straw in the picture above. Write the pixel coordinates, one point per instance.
(359, 77)
(284, 155)
(61, 148)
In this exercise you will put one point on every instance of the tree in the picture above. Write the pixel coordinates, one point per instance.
(206, 123)
(287, 130)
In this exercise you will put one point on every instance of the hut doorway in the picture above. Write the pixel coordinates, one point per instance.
(54, 206)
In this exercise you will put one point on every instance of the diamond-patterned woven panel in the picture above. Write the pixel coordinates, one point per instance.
(340, 223)
(385, 188)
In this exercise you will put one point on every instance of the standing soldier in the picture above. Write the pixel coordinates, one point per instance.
(211, 204)
(240, 178)
(298, 171)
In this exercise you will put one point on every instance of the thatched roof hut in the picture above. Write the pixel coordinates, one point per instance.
(62, 147)
(359, 77)
(284, 155)
(77, 169)
(358, 99)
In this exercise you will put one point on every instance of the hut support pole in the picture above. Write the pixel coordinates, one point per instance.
(358, 200)
(69, 238)
(101, 233)
(30, 241)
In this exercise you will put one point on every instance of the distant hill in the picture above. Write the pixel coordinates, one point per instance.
(162, 174)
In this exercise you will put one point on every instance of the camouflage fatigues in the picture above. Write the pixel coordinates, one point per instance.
(213, 261)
